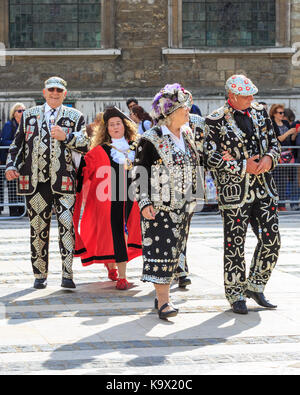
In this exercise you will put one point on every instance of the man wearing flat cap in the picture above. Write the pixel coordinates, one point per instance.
(246, 189)
(40, 157)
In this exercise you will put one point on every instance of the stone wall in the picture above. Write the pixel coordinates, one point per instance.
(141, 32)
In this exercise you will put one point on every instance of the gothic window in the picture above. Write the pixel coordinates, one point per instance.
(228, 23)
(55, 24)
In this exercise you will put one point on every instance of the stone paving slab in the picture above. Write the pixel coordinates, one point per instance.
(99, 330)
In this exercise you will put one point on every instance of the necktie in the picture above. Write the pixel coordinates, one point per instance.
(52, 119)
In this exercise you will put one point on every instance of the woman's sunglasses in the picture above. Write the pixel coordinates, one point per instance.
(19, 111)
(59, 90)
(280, 112)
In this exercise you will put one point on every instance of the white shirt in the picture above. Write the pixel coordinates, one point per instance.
(147, 126)
(121, 145)
(178, 141)
(48, 110)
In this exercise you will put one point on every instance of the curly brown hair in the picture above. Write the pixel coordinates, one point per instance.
(101, 135)
(274, 108)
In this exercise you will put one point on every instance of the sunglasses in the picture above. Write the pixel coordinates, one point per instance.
(19, 111)
(280, 112)
(59, 90)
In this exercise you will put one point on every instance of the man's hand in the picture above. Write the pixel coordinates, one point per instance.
(265, 164)
(11, 175)
(252, 165)
(57, 133)
(148, 212)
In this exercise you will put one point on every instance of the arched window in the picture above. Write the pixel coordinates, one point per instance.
(55, 24)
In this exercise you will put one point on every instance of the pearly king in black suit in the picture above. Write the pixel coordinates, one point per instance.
(47, 178)
(244, 198)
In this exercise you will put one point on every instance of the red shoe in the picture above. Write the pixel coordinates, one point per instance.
(112, 273)
(122, 284)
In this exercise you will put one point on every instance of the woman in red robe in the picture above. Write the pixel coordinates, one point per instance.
(110, 231)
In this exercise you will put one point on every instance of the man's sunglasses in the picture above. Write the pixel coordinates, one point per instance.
(19, 111)
(59, 90)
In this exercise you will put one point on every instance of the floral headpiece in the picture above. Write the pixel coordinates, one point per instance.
(168, 100)
(241, 85)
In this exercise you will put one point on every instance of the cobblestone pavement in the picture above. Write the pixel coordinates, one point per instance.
(99, 330)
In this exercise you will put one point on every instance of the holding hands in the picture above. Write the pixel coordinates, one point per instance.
(262, 166)
(57, 133)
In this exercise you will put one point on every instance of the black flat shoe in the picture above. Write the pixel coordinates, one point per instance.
(239, 307)
(164, 315)
(67, 283)
(156, 305)
(183, 282)
(260, 299)
(40, 283)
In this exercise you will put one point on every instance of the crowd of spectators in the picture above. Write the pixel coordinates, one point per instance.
(286, 127)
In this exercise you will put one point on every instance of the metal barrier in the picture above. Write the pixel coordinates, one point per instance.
(286, 176)
(287, 179)
(12, 206)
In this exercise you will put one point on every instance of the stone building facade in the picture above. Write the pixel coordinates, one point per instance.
(142, 48)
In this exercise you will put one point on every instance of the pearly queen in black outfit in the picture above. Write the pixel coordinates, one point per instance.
(47, 177)
(169, 176)
(243, 196)
(165, 238)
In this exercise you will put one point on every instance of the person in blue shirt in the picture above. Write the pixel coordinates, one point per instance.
(195, 110)
(141, 118)
(7, 137)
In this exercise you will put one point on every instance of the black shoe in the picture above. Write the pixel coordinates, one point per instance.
(260, 299)
(40, 283)
(164, 315)
(183, 282)
(156, 305)
(67, 283)
(239, 307)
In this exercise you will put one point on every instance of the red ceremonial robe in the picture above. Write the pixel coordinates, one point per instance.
(102, 237)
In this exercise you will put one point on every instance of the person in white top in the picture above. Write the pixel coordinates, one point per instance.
(141, 118)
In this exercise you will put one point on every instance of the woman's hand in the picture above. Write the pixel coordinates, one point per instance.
(284, 136)
(148, 212)
(294, 133)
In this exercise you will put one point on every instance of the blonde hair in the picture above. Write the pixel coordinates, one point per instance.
(101, 135)
(14, 108)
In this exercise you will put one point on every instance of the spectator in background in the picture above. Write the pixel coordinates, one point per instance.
(141, 118)
(7, 136)
(287, 137)
(289, 116)
(195, 110)
(131, 102)
(285, 134)
(1, 180)
(92, 127)
(296, 152)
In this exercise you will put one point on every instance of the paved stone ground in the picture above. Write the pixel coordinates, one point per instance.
(99, 330)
